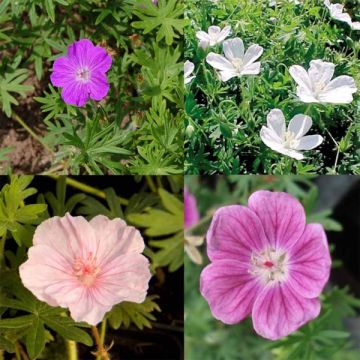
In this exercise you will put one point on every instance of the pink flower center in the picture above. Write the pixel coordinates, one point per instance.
(83, 74)
(86, 270)
(270, 265)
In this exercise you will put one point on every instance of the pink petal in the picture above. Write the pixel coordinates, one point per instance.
(229, 289)
(75, 93)
(310, 262)
(70, 236)
(124, 278)
(235, 232)
(281, 215)
(191, 213)
(80, 51)
(279, 311)
(63, 72)
(99, 59)
(115, 238)
(98, 86)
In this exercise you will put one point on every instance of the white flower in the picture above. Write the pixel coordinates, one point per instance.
(337, 12)
(236, 62)
(188, 69)
(291, 141)
(214, 36)
(316, 86)
(273, 2)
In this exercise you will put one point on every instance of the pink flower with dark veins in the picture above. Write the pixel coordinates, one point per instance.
(82, 73)
(86, 266)
(265, 262)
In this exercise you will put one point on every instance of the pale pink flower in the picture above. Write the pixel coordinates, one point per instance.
(267, 263)
(86, 266)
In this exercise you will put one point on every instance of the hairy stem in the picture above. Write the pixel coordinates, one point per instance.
(18, 119)
(71, 350)
(88, 189)
(102, 353)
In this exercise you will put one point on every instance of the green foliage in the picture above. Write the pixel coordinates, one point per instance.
(224, 119)
(137, 128)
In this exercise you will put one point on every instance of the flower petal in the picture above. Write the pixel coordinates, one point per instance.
(301, 77)
(229, 289)
(299, 125)
(188, 68)
(233, 49)
(79, 51)
(310, 262)
(75, 93)
(278, 311)
(235, 232)
(339, 90)
(252, 54)
(99, 59)
(219, 62)
(98, 86)
(281, 215)
(227, 75)
(321, 71)
(224, 34)
(251, 69)
(309, 142)
(276, 122)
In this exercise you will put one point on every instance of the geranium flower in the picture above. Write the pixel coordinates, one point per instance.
(337, 12)
(82, 73)
(265, 262)
(236, 62)
(289, 142)
(188, 69)
(214, 36)
(86, 266)
(316, 86)
(191, 217)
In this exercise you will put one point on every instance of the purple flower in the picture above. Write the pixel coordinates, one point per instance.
(267, 262)
(82, 73)
(191, 214)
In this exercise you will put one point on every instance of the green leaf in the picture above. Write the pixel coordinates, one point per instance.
(35, 339)
(49, 6)
(17, 323)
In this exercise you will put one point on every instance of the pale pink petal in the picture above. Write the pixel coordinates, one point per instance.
(233, 49)
(299, 125)
(252, 54)
(310, 262)
(219, 62)
(278, 311)
(235, 232)
(309, 142)
(229, 289)
(281, 215)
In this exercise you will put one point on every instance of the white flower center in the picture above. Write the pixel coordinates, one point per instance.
(270, 265)
(290, 140)
(83, 74)
(238, 63)
(318, 87)
(86, 270)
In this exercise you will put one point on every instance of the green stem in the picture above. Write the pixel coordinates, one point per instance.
(17, 118)
(2, 249)
(72, 350)
(151, 184)
(102, 336)
(102, 353)
(88, 189)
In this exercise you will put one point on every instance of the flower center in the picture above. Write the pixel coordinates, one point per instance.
(86, 270)
(318, 87)
(270, 265)
(290, 141)
(83, 74)
(238, 63)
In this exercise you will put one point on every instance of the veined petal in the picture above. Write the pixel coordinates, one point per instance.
(229, 289)
(301, 77)
(281, 215)
(188, 68)
(233, 49)
(339, 90)
(224, 33)
(306, 95)
(75, 93)
(309, 142)
(299, 125)
(98, 86)
(278, 311)
(252, 54)
(227, 75)
(251, 69)
(321, 72)
(219, 62)
(203, 36)
(276, 122)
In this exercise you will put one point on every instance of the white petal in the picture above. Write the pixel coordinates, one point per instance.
(252, 69)
(224, 34)
(309, 142)
(203, 36)
(276, 122)
(219, 62)
(321, 71)
(339, 91)
(306, 95)
(188, 68)
(214, 31)
(253, 53)
(355, 25)
(301, 77)
(233, 49)
(228, 74)
(187, 80)
(300, 124)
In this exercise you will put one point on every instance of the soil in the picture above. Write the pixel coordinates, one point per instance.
(28, 156)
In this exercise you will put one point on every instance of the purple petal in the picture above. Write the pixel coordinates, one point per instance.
(229, 289)
(99, 59)
(79, 51)
(279, 311)
(191, 214)
(75, 93)
(98, 86)
(235, 232)
(310, 262)
(281, 215)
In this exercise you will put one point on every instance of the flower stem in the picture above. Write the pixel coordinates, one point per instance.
(102, 353)
(151, 184)
(17, 118)
(72, 350)
(88, 189)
